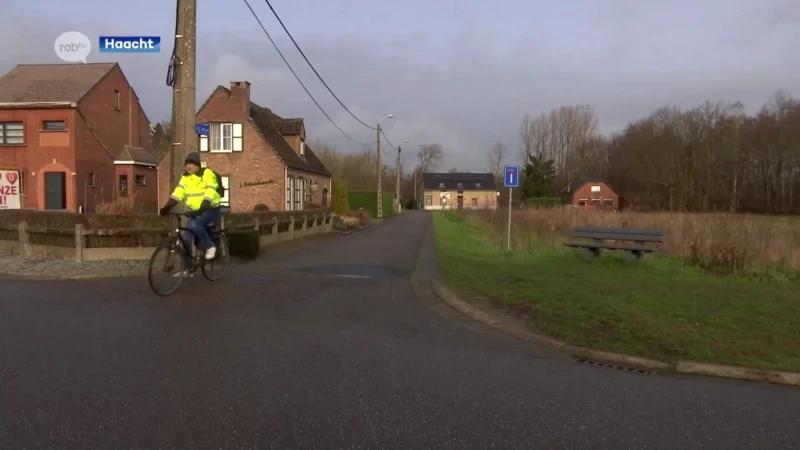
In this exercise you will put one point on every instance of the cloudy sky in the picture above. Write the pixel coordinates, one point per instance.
(460, 73)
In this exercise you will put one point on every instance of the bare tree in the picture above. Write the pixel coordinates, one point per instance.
(496, 159)
(430, 157)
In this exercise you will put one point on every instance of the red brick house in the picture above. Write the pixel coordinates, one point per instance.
(77, 135)
(590, 193)
(263, 159)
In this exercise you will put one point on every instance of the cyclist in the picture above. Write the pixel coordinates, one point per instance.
(199, 188)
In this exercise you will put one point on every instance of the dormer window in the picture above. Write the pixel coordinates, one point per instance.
(461, 185)
(302, 148)
(441, 185)
(477, 185)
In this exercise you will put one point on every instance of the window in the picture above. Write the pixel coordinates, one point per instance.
(123, 185)
(477, 185)
(289, 181)
(595, 188)
(474, 202)
(53, 125)
(226, 183)
(608, 202)
(139, 180)
(92, 179)
(297, 197)
(428, 200)
(11, 133)
(460, 186)
(225, 137)
(441, 185)
(302, 148)
(116, 100)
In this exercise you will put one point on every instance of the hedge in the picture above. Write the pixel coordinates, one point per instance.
(339, 197)
(369, 201)
(544, 202)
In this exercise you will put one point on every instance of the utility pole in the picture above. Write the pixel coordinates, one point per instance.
(184, 137)
(397, 184)
(380, 175)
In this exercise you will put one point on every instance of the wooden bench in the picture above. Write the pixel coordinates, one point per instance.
(600, 236)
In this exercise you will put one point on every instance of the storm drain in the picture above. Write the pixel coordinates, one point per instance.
(592, 362)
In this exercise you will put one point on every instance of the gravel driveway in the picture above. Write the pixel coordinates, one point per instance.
(18, 266)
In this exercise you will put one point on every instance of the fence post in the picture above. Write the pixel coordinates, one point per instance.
(314, 227)
(24, 240)
(304, 229)
(78, 242)
(275, 230)
(256, 225)
(291, 228)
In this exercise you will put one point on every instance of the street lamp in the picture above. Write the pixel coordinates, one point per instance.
(380, 168)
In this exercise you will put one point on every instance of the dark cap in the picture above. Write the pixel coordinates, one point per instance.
(193, 157)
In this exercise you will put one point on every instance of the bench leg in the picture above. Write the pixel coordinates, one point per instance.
(634, 255)
(591, 253)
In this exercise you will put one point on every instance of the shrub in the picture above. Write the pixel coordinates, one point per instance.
(120, 206)
(339, 197)
(543, 202)
(260, 208)
(245, 244)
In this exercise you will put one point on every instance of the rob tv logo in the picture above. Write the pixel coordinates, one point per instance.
(130, 44)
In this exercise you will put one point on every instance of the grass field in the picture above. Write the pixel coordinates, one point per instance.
(661, 307)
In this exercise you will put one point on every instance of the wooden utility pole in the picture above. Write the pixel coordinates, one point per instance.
(397, 183)
(184, 138)
(380, 175)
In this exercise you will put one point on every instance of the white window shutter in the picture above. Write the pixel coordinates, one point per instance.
(203, 143)
(237, 130)
(237, 144)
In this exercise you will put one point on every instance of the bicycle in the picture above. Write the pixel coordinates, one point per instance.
(173, 247)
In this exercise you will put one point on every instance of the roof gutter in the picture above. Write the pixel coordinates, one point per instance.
(37, 105)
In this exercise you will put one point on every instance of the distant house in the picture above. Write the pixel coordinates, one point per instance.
(263, 159)
(466, 190)
(590, 193)
(77, 135)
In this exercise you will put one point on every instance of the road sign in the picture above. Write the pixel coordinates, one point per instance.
(512, 176)
(9, 189)
(202, 129)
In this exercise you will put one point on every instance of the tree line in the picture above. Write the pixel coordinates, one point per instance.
(713, 157)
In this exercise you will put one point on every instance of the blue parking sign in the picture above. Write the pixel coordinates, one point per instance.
(512, 176)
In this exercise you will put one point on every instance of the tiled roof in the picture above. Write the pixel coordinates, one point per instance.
(51, 82)
(289, 127)
(265, 119)
(459, 181)
(136, 154)
(577, 184)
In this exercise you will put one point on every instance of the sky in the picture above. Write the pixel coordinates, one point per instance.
(458, 73)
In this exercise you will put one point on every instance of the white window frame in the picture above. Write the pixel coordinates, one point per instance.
(5, 127)
(297, 197)
(224, 138)
(226, 183)
(302, 148)
(428, 200)
(289, 184)
(595, 188)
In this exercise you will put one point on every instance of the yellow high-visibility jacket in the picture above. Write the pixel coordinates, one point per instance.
(194, 188)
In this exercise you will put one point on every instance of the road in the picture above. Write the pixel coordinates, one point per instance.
(286, 353)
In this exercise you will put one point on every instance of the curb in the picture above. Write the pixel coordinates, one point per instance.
(12, 277)
(683, 367)
(348, 233)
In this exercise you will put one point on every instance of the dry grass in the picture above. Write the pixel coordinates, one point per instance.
(120, 206)
(719, 243)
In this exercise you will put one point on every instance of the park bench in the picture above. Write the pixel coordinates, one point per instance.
(609, 239)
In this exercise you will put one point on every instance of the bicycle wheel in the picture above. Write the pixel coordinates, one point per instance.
(169, 271)
(214, 270)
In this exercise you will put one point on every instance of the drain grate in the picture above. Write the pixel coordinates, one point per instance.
(592, 362)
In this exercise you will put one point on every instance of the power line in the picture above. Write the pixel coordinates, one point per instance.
(275, 13)
(387, 139)
(296, 77)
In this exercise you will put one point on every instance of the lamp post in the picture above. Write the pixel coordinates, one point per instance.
(380, 168)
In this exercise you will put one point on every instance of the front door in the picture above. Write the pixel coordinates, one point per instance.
(460, 202)
(55, 190)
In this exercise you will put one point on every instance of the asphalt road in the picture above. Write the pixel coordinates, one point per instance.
(283, 353)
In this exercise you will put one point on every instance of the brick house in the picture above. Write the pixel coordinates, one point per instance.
(590, 193)
(467, 190)
(77, 135)
(263, 159)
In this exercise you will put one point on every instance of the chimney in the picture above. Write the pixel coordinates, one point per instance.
(240, 96)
